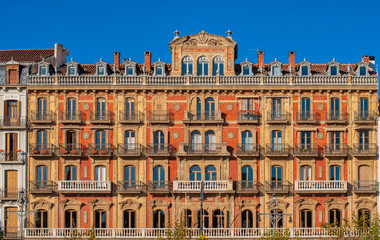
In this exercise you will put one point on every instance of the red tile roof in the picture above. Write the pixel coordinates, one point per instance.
(25, 55)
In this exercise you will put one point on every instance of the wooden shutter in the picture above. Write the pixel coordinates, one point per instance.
(15, 145)
(11, 221)
(5, 109)
(13, 79)
(11, 182)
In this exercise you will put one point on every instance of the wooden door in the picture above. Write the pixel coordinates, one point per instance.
(11, 184)
(11, 221)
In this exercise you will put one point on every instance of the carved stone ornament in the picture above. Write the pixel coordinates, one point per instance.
(177, 107)
(320, 135)
(229, 107)
(85, 107)
(231, 135)
(85, 135)
(176, 135)
(203, 38)
(320, 107)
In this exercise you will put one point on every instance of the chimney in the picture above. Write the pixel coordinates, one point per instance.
(365, 58)
(59, 57)
(116, 60)
(292, 59)
(260, 56)
(148, 58)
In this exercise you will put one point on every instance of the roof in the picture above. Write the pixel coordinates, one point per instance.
(25, 55)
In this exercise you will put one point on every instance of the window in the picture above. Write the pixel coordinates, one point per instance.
(159, 141)
(305, 173)
(218, 66)
(101, 71)
(334, 173)
(276, 140)
(129, 177)
(335, 141)
(100, 219)
(247, 141)
(71, 219)
(280, 223)
(199, 109)
(306, 141)
(363, 71)
(71, 109)
(100, 173)
(41, 218)
(363, 140)
(196, 141)
(158, 176)
(276, 108)
(218, 219)
(305, 108)
(130, 109)
(195, 173)
(364, 218)
(42, 144)
(334, 108)
(333, 70)
(100, 140)
(159, 71)
(71, 141)
(100, 109)
(209, 109)
(247, 219)
(71, 71)
(210, 173)
(364, 108)
(130, 141)
(158, 219)
(41, 177)
(43, 71)
(71, 173)
(202, 66)
(187, 66)
(276, 173)
(246, 70)
(203, 219)
(129, 219)
(246, 177)
(364, 177)
(305, 70)
(11, 146)
(276, 71)
(188, 218)
(210, 143)
(11, 113)
(248, 111)
(335, 217)
(130, 71)
(42, 112)
(306, 219)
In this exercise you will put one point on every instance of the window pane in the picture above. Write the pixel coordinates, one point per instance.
(246, 70)
(159, 71)
(305, 71)
(334, 71)
(363, 71)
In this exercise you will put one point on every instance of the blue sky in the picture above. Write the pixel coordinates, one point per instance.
(318, 30)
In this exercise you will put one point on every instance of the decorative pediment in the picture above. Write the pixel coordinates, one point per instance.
(100, 203)
(282, 204)
(247, 203)
(71, 203)
(365, 203)
(335, 202)
(202, 39)
(129, 203)
(41, 203)
(159, 203)
(306, 203)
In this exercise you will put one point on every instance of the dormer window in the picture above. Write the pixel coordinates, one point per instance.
(71, 71)
(101, 71)
(363, 71)
(305, 71)
(202, 66)
(276, 71)
(187, 66)
(43, 71)
(159, 71)
(246, 70)
(129, 71)
(333, 70)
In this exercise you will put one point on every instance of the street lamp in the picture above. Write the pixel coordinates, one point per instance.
(202, 198)
(274, 216)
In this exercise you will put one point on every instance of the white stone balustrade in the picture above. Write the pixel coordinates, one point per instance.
(321, 186)
(209, 186)
(84, 186)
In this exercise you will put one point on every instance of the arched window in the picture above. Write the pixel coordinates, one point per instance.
(100, 140)
(335, 173)
(210, 174)
(129, 219)
(71, 173)
(218, 66)
(218, 219)
(42, 140)
(276, 140)
(210, 143)
(202, 66)
(71, 219)
(209, 109)
(306, 218)
(305, 109)
(159, 140)
(100, 173)
(203, 219)
(335, 217)
(246, 177)
(41, 177)
(279, 223)
(158, 219)
(247, 219)
(71, 109)
(188, 218)
(130, 141)
(335, 108)
(363, 109)
(247, 140)
(195, 173)
(129, 177)
(100, 219)
(196, 141)
(42, 111)
(130, 109)
(158, 176)
(305, 173)
(100, 109)
(187, 66)
(41, 219)
(364, 218)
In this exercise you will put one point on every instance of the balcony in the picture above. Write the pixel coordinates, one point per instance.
(70, 117)
(336, 117)
(321, 186)
(158, 150)
(277, 150)
(306, 150)
(41, 150)
(128, 187)
(277, 117)
(101, 117)
(12, 157)
(129, 150)
(195, 186)
(159, 117)
(247, 149)
(248, 117)
(365, 117)
(158, 187)
(10, 122)
(99, 149)
(203, 117)
(126, 117)
(9, 194)
(247, 187)
(41, 117)
(68, 186)
(41, 187)
(335, 150)
(306, 117)
(364, 150)
(366, 186)
(203, 149)
(277, 186)
(70, 150)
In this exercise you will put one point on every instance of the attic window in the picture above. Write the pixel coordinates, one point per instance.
(276, 71)
(246, 70)
(334, 71)
(159, 71)
(71, 71)
(129, 71)
(305, 70)
(43, 71)
(101, 71)
(363, 71)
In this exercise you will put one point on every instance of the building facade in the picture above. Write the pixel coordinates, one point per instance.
(129, 145)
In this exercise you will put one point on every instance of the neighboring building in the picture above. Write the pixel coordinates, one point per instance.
(128, 145)
(15, 65)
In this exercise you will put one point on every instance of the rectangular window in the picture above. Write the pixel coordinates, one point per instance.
(71, 71)
(334, 70)
(305, 71)
(13, 77)
(159, 71)
(275, 71)
(364, 140)
(43, 71)
(245, 70)
(363, 71)
(306, 140)
(129, 71)
(335, 140)
(101, 71)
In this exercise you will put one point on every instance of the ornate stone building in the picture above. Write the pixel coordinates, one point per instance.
(131, 145)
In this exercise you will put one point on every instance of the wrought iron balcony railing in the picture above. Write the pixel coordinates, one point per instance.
(366, 186)
(306, 149)
(277, 186)
(36, 186)
(336, 117)
(247, 149)
(249, 186)
(101, 116)
(362, 117)
(159, 116)
(70, 149)
(12, 122)
(99, 149)
(248, 117)
(41, 117)
(277, 150)
(9, 193)
(199, 149)
(338, 150)
(130, 187)
(158, 187)
(12, 156)
(70, 116)
(278, 117)
(129, 149)
(203, 117)
(367, 149)
(130, 117)
(40, 150)
(163, 149)
(305, 117)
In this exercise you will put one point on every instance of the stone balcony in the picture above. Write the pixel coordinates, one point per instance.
(195, 186)
(203, 149)
(203, 117)
(84, 186)
(126, 117)
(320, 186)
